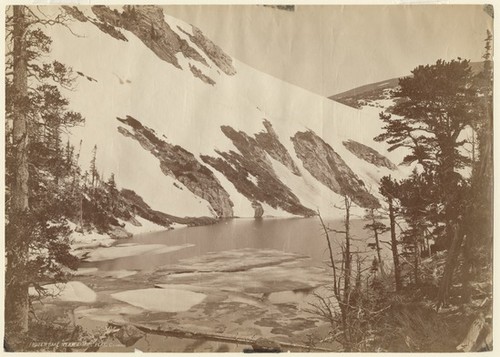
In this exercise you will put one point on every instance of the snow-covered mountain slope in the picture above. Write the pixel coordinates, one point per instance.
(195, 132)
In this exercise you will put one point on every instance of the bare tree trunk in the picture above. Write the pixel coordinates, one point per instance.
(347, 273)
(379, 256)
(16, 289)
(451, 262)
(394, 247)
(416, 260)
(347, 250)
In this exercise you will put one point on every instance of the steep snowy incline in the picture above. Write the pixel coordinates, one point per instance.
(133, 78)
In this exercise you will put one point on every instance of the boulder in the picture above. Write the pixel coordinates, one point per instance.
(119, 233)
(129, 335)
(259, 211)
(265, 345)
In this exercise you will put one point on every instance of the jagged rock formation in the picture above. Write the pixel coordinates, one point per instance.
(199, 74)
(368, 154)
(214, 52)
(282, 7)
(182, 165)
(142, 209)
(102, 25)
(260, 175)
(259, 211)
(75, 12)
(327, 166)
(148, 24)
(252, 174)
(270, 142)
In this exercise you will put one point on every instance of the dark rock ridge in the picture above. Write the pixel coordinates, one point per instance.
(148, 24)
(199, 74)
(102, 25)
(183, 166)
(259, 211)
(270, 142)
(252, 174)
(142, 209)
(214, 52)
(282, 7)
(327, 167)
(368, 154)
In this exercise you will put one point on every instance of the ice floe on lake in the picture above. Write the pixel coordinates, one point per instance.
(124, 250)
(70, 291)
(232, 261)
(161, 300)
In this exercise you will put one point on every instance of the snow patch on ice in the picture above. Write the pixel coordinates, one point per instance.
(118, 274)
(85, 271)
(82, 243)
(161, 300)
(70, 291)
(145, 227)
(120, 252)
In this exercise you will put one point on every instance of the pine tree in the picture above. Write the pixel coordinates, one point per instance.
(113, 193)
(37, 112)
(388, 189)
(378, 228)
(94, 175)
(478, 221)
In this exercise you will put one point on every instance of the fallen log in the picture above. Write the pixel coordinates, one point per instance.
(478, 336)
(172, 331)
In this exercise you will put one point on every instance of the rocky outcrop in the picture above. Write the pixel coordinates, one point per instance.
(147, 22)
(214, 52)
(104, 26)
(270, 142)
(368, 154)
(143, 210)
(259, 211)
(327, 166)
(199, 74)
(252, 174)
(75, 13)
(117, 232)
(182, 165)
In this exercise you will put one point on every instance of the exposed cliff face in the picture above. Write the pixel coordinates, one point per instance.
(161, 218)
(252, 173)
(270, 142)
(259, 211)
(148, 24)
(368, 154)
(256, 172)
(104, 26)
(199, 74)
(214, 52)
(328, 167)
(182, 165)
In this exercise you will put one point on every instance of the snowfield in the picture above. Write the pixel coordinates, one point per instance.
(129, 79)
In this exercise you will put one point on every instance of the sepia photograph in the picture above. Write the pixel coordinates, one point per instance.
(248, 178)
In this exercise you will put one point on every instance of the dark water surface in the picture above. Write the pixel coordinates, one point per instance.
(295, 235)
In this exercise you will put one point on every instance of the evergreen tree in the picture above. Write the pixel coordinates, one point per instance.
(437, 103)
(37, 111)
(388, 189)
(378, 228)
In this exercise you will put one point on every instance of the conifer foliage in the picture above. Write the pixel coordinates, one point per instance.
(437, 109)
(45, 187)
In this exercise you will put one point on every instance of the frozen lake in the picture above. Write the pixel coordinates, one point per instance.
(293, 235)
(242, 277)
